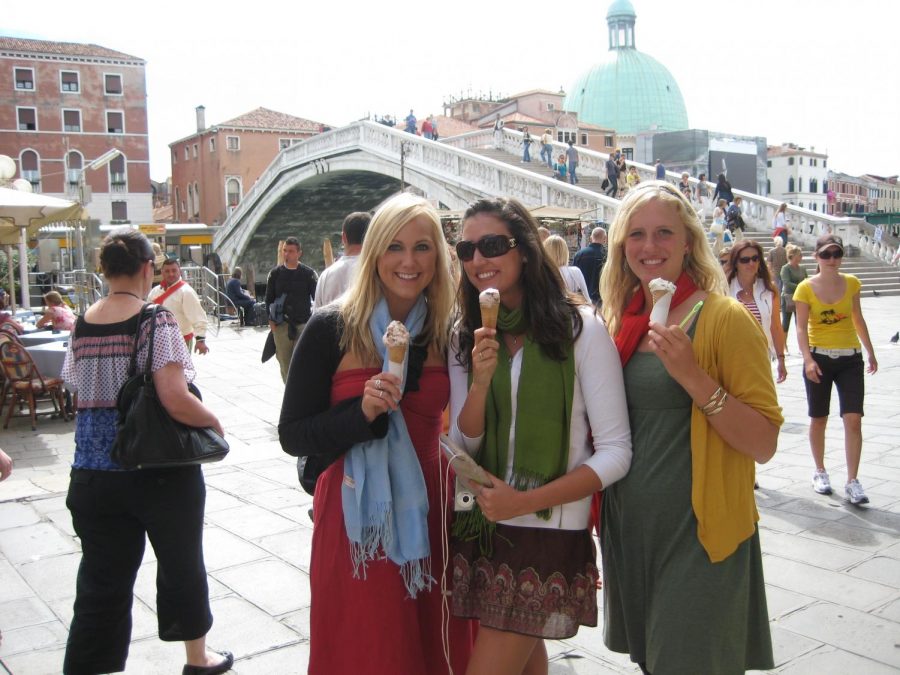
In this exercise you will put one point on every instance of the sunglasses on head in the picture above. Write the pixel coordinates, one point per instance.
(748, 259)
(828, 254)
(489, 246)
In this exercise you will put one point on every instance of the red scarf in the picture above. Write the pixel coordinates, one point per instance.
(168, 291)
(636, 324)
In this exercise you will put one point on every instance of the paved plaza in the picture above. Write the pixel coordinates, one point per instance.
(832, 570)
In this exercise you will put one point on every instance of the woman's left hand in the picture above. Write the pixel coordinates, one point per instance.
(782, 371)
(873, 365)
(500, 501)
(674, 348)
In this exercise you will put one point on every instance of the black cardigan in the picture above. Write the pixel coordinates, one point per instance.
(309, 426)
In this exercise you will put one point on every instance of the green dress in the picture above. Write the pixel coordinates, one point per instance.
(665, 603)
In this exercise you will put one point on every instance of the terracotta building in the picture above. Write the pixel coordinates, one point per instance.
(63, 105)
(213, 168)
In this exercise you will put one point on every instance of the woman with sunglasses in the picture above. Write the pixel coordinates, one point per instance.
(372, 439)
(750, 282)
(539, 403)
(830, 327)
(682, 568)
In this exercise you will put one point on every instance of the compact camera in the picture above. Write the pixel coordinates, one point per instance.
(464, 498)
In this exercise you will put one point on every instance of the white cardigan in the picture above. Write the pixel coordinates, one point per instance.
(599, 414)
(765, 301)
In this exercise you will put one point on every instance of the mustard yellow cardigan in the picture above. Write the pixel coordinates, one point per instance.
(730, 346)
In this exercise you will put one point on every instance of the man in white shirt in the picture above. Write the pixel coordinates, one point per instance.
(176, 295)
(335, 279)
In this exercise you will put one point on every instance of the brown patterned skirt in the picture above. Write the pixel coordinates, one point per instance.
(537, 581)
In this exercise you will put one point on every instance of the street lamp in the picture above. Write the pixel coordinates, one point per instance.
(98, 163)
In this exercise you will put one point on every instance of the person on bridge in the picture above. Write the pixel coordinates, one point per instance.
(547, 148)
(290, 291)
(371, 439)
(337, 277)
(498, 132)
(612, 175)
(660, 170)
(830, 327)
(558, 251)
(526, 145)
(177, 296)
(572, 156)
(411, 123)
(723, 190)
(682, 567)
(538, 402)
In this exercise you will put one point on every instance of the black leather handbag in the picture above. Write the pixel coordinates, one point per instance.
(146, 435)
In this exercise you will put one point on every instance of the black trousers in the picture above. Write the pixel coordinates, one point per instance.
(113, 512)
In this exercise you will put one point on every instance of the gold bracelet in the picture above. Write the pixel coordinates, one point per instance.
(715, 403)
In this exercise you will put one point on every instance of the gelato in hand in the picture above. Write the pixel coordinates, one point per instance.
(396, 339)
(662, 292)
(489, 299)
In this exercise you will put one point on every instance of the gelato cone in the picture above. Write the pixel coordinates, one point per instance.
(661, 291)
(489, 299)
(396, 339)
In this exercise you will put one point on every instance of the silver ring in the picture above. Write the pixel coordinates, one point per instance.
(380, 394)
(378, 384)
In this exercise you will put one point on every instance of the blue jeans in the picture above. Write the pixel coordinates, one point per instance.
(547, 154)
(526, 155)
(572, 177)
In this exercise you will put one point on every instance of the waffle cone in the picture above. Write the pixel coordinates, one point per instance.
(397, 354)
(489, 315)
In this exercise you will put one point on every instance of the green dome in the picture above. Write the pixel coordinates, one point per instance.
(627, 91)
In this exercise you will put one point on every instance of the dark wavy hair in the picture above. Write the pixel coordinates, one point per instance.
(124, 251)
(762, 271)
(550, 311)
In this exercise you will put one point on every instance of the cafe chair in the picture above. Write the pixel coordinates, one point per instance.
(26, 383)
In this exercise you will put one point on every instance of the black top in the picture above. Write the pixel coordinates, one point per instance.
(309, 425)
(300, 286)
(590, 261)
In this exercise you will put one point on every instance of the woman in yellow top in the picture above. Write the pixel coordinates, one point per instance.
(682, 569)
(830, 326)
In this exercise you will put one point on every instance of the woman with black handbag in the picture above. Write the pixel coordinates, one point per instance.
(114, 510)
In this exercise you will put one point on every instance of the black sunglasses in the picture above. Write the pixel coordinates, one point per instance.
(748, 259)
(490, 246)
(829, 254)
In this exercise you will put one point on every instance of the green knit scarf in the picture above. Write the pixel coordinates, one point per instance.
(543, 422)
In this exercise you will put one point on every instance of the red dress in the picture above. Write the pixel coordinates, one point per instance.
(371, 625)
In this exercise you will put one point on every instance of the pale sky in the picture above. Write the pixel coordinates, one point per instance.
(818, 73)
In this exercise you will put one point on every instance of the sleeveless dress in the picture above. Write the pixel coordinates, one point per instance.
(370, 625)
(665, 603)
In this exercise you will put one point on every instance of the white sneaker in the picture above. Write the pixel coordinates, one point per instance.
(855, 493)
(821, 484)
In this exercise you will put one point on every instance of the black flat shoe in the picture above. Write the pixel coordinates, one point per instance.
(223, 667)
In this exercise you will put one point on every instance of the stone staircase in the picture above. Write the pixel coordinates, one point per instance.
(876, 277)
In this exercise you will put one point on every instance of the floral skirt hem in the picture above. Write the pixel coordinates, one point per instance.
(537, 581)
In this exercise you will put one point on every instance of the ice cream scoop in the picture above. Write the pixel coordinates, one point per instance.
(396, 339)
(661, 291)
(489, 299)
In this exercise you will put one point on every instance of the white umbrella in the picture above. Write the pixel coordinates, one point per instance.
(22, 214)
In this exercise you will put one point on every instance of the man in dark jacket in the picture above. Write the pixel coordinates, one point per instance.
(590, 261)
(290, 290)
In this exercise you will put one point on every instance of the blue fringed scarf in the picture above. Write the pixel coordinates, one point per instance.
(384, 498)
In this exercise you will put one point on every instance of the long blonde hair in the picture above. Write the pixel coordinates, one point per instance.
(618, 283)
(366, 290)
(557, 250)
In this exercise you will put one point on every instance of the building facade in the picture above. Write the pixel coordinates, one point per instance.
(849, 195)
(887, 193)
(797, 176)
(62, 106)
(213, 168)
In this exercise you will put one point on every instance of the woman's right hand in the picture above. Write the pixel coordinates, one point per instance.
(381, 394)
(484, 356)
(812, 371)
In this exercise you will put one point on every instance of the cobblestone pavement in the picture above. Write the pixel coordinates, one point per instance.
(832, 570)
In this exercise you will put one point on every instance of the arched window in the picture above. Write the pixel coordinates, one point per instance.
(232, 194)
(178, 204)
(196, 200)
(30, 166)
(813, 184)
(74, 166)
(800, 184)
(118, 177)
(190, 203)
(791, 184)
